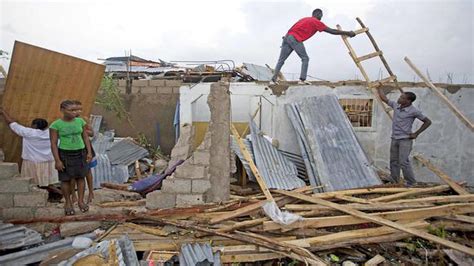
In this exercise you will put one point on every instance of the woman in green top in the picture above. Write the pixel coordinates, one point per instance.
(72, 155)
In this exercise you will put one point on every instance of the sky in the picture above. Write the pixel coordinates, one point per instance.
(436, 35)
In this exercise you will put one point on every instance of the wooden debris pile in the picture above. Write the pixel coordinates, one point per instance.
(371, 225)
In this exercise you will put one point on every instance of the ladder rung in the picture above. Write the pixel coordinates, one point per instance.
(359, 31)
(368, 56)
(382, 81)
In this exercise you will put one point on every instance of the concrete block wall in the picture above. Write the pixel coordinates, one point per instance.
(189, 184)
(19, 197)
(151, 105)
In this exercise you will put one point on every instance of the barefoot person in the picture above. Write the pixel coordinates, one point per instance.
(404, 114)
(304, 29)
(72, 155)
(38, 161)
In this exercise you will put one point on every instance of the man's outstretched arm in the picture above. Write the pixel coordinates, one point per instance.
(339, 32)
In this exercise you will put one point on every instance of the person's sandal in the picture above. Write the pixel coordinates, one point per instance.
(84, 208)
(69, 211)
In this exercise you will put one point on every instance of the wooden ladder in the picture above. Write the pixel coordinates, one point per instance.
(371, 85)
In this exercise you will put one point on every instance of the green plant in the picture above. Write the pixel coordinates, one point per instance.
(109, 98)
(437, 231)
(155, 153)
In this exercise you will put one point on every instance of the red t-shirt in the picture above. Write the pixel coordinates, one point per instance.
(305, 28)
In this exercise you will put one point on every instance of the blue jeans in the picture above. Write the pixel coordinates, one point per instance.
(288, 45)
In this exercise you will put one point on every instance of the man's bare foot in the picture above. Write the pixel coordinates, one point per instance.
(90, 198)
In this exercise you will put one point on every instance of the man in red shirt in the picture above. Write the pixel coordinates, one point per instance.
(304, 29)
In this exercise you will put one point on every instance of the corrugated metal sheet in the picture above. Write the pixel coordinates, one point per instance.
(12, 236)
(236, 150)
(277, 171)
(37, 254)
(95, 121)
(125, 152)
(257, 72)
(298, 161)
(124, 251)
(328, 135)
(105, 172)
(38, 80)
(141, 69)
(198, 254)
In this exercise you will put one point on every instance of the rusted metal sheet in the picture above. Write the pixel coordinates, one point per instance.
(38, 80)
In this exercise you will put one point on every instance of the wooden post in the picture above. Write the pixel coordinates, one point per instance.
(253, 167)
(443, 98)
(460, 190)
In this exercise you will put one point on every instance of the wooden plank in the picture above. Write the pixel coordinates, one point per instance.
(381, 82)
(464, 119)
(238, 212)
(361, 207)
(368, 56)
(461, 218)
(252, 165)
(147, 229)
(360, 191)
(448, 180)
(353, 199)
(249, 257)
(362, 30)
(352, 234)
(130, 203)
(38, 80)
(244, 224)
(422, 191)
(376, 260)
(381, 221)
(439, 199)
(410, 214)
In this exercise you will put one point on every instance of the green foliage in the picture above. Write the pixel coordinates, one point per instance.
(109, 98)
(437, 231)
(334, 258)
(155, 153)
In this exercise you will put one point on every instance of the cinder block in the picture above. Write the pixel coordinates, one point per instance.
(165, 90)
(136, 89)
(176, 185)
(17, 213)
(157, 82)
(191, 171)
(148, 90)
(183, 200)
(15, 185)
(6, 200)
(176, 90)
(77, 228)
(140, 83)
(122, 83)
(173, 83)
(160, 200)
(200, 185)
(201, 157)
(122, 90)
(32, 199)
(8, 170)
(50, 212)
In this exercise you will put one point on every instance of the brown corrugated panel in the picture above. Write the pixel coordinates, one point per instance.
(38, 80)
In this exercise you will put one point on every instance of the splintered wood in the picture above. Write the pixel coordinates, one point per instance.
(363, 221)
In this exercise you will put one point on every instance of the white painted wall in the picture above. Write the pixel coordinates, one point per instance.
(447, 143)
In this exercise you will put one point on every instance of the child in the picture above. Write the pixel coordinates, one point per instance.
(73, 154)
(38, 161)
(92, 164)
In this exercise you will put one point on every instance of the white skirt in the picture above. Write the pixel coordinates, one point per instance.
(43, 173)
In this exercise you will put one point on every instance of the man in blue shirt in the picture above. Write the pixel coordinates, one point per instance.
(404, 114)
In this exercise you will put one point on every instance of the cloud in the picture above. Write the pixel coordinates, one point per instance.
(436, 35)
